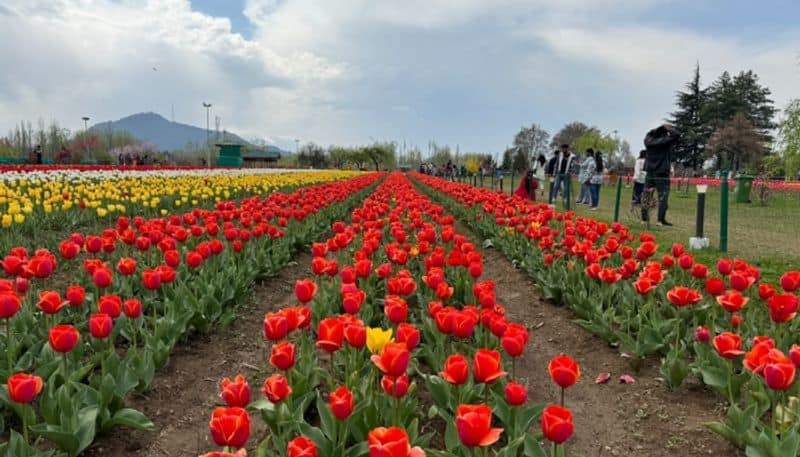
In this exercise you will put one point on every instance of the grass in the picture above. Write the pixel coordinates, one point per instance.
(763, 235)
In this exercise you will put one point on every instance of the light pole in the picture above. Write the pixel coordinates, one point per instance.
(86, 134)
(207, 106)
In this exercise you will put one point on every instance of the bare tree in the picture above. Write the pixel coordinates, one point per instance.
(736, 144)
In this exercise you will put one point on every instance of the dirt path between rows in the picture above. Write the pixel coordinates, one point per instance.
(640, 419)
(186, 391)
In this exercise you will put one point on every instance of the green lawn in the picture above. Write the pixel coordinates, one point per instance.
(764, 235)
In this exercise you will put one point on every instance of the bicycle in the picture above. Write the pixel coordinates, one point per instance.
(647, 202)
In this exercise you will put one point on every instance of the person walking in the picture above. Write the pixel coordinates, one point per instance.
(639, 177)
(596, 179)
(539, 169)
(584, 174)
(659, 143)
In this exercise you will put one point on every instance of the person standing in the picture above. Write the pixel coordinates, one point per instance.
(596, 179)
(639, 177)
(659, 143)
(562, 170)
(584, 175)
(539, 169)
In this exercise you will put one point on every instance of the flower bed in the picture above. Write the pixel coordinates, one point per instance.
(136, 289)
(718, 323)
(395, 347)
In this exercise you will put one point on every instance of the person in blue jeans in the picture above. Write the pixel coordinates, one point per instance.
(562, 167)
(584, 175)
(596, 180)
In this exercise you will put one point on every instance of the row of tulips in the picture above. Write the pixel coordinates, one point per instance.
(31, 202)
(395, 334)
(73, 354)
(720, 323)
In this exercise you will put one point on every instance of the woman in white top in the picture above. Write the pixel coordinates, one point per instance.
(639, 177)
(539, 166)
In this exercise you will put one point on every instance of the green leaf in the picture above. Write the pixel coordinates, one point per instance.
(451, 439)
(327, 421)
(131, 418)
(357, 450)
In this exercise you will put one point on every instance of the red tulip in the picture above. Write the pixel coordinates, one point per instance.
(276, 326)
(351, 301)
(393, 359)
(395, 308)
(765, 291)
(194, 259)
(102, 277)
(230, 427)
(355, 333)
(740, 281)
(790, 281)
(736, 320)
(794, 354)
(100, 325)
(235, 393)
(111, 305)
(678, 251)
(348, 275)
(63, 338)
(126, 266)
(330, 333)
(516, 394)
(75, 295)
(685, 261)
(643, 286)
(456, 369)
(395, 386)
(50, 302)
(282, 356)
(733, 301)
(408, 334)
(276, 388)
(240, 453)
(725, 267)
(391, 442)
(464, 324)
(23, 387)
(474, 425)
(681, 296)
(557, 424)
(305, 290)
(341, 402)
(487, 366)
(728, 345)
(22, 284)
(132, 308)
(166, 273)
(783, 307)
(699, 271)
(702, 334)
(10, 304)
(384, 270)
(715, 286)
(151, 279)
(514, 339)
(564, 371)
(779, 371)
(301, 447)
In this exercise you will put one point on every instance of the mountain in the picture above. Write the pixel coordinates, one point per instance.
(167, 135)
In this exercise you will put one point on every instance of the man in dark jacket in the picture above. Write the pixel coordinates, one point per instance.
(659, 143)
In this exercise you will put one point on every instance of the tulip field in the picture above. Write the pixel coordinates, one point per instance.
(327, 313)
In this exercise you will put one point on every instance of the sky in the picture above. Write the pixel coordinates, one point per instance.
(460, 72)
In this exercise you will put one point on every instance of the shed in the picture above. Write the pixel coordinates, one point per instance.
(256, 157)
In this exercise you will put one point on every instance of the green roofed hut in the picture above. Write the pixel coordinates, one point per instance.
(261, 157)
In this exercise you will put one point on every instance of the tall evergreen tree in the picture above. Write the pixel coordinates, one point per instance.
(690, 122)
(741, 94)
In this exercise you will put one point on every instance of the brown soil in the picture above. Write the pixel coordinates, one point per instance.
(640, 419)
(183, 395)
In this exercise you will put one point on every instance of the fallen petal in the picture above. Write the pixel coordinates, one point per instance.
(626, 379)
(602, 378)
(625, 355)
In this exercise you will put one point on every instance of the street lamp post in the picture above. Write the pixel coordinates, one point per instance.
(86, 134)
(207, 106)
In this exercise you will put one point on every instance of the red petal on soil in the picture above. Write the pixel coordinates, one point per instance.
(602, 378)
(626, 379)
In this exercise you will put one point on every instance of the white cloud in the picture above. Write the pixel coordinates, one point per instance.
(468, 72)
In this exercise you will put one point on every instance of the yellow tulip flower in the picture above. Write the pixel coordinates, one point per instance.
(377, 338)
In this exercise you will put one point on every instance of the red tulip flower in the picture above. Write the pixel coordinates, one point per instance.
(75, 295)
(230, 427)
(276, 388)
(790, 281)
(395, 308)
(23, 387)
(702, 334)
(557, 425)
(305, 290)
(794, 355)
(681, 296)
(111, 305)
(733, 301)
(63, 338)
(50, 302)
(276, 326)
(474, 425)
(391, 442)
(100, 325)
(408, 334)
(132, 308)
(10, 304)
(395, 386)
(341, 402)
(355, 333)
(783, 307)
(765, 291)
(330, 333)
(514, 339)
(102, 277)
(728, 345)
(564, 371)
(456, 369)
(715, 286)
(126, 266)
(236, 392)
(393, 359)
(487, 366)
(282, 356)
(151, 279)
(301, 447)
(779, 371)
(516, 394)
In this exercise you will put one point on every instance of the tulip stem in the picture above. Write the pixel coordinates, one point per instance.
(66, 373)
(730, 381)
(25, 429)
(9, 347)
(562, 397)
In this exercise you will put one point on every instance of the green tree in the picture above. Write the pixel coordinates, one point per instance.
(571, 132)
(737, 144)
(788, 141)
(339, 156)
(520, 161)
(741, 94)
(690, 122)
(508, 159)
(532, 140)
(597, 141)
(311, 155)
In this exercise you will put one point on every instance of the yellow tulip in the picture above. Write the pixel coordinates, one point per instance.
(377, 338)
(19, 218)
(6, 221)
(101, 212)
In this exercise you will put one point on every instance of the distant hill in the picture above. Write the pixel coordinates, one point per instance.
(167, 135)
